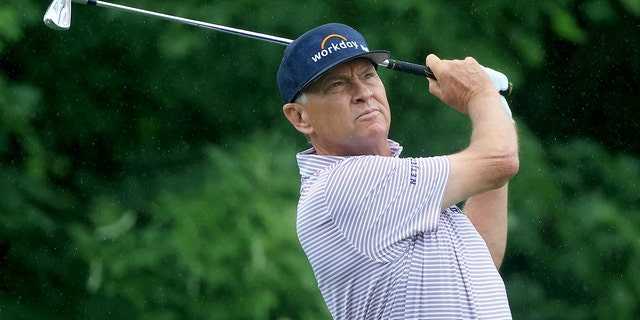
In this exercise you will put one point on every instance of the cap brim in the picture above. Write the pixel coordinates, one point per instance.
(377, 56)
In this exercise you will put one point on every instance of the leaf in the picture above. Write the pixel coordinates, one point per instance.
(566, 27)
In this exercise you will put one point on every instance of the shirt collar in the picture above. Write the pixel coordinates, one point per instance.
(309, 162)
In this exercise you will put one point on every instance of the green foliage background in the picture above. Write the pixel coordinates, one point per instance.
(147, 171)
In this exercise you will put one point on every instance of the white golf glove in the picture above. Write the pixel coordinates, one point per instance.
(501, 82)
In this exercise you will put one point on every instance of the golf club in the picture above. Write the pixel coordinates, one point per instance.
(58, 17)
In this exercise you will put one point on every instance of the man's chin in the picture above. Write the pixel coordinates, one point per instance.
(374, 134)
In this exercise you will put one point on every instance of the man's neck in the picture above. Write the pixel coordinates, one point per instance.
(379, 149)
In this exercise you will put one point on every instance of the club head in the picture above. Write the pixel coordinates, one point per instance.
(58, 16)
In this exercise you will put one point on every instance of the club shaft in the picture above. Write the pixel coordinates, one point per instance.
(230, 30)
(397, 65)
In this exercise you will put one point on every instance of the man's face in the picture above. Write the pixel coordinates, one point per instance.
(347, 111)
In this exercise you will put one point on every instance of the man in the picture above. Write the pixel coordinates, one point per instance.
(382, 233)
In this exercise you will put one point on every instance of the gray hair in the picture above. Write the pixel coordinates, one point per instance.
(301, 98)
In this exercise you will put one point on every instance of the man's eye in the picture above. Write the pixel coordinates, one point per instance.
(335, 85)
(371, 77)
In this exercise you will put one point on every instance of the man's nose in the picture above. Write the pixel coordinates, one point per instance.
(362, 92)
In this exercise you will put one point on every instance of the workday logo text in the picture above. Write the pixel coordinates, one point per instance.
(329, 48)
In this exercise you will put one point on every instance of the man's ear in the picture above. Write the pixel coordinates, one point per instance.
(296, 115)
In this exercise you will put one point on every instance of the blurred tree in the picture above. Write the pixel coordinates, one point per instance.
(214, 241)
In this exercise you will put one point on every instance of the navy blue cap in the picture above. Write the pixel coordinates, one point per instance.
(317, 51)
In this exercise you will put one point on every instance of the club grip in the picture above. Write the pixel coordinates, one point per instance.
(424, 71)
(412, 68)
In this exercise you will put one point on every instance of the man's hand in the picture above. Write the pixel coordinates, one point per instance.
(459, 81)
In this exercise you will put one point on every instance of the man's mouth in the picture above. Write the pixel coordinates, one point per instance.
(368, 112)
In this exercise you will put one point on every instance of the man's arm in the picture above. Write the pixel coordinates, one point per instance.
(491, 159)
(480, 172)
(488, 213)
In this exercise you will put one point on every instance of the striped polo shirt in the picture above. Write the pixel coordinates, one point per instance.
(381, 248)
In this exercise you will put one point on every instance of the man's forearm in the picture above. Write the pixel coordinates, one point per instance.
(488, 213)
(491, 159)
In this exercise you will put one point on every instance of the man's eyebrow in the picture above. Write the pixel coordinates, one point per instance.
(328, 76)
(368, 66)
(333, 75)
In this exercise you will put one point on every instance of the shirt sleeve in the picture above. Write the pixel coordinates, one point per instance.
(380, 202)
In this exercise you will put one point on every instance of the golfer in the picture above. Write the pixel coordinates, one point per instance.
(383, 234)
